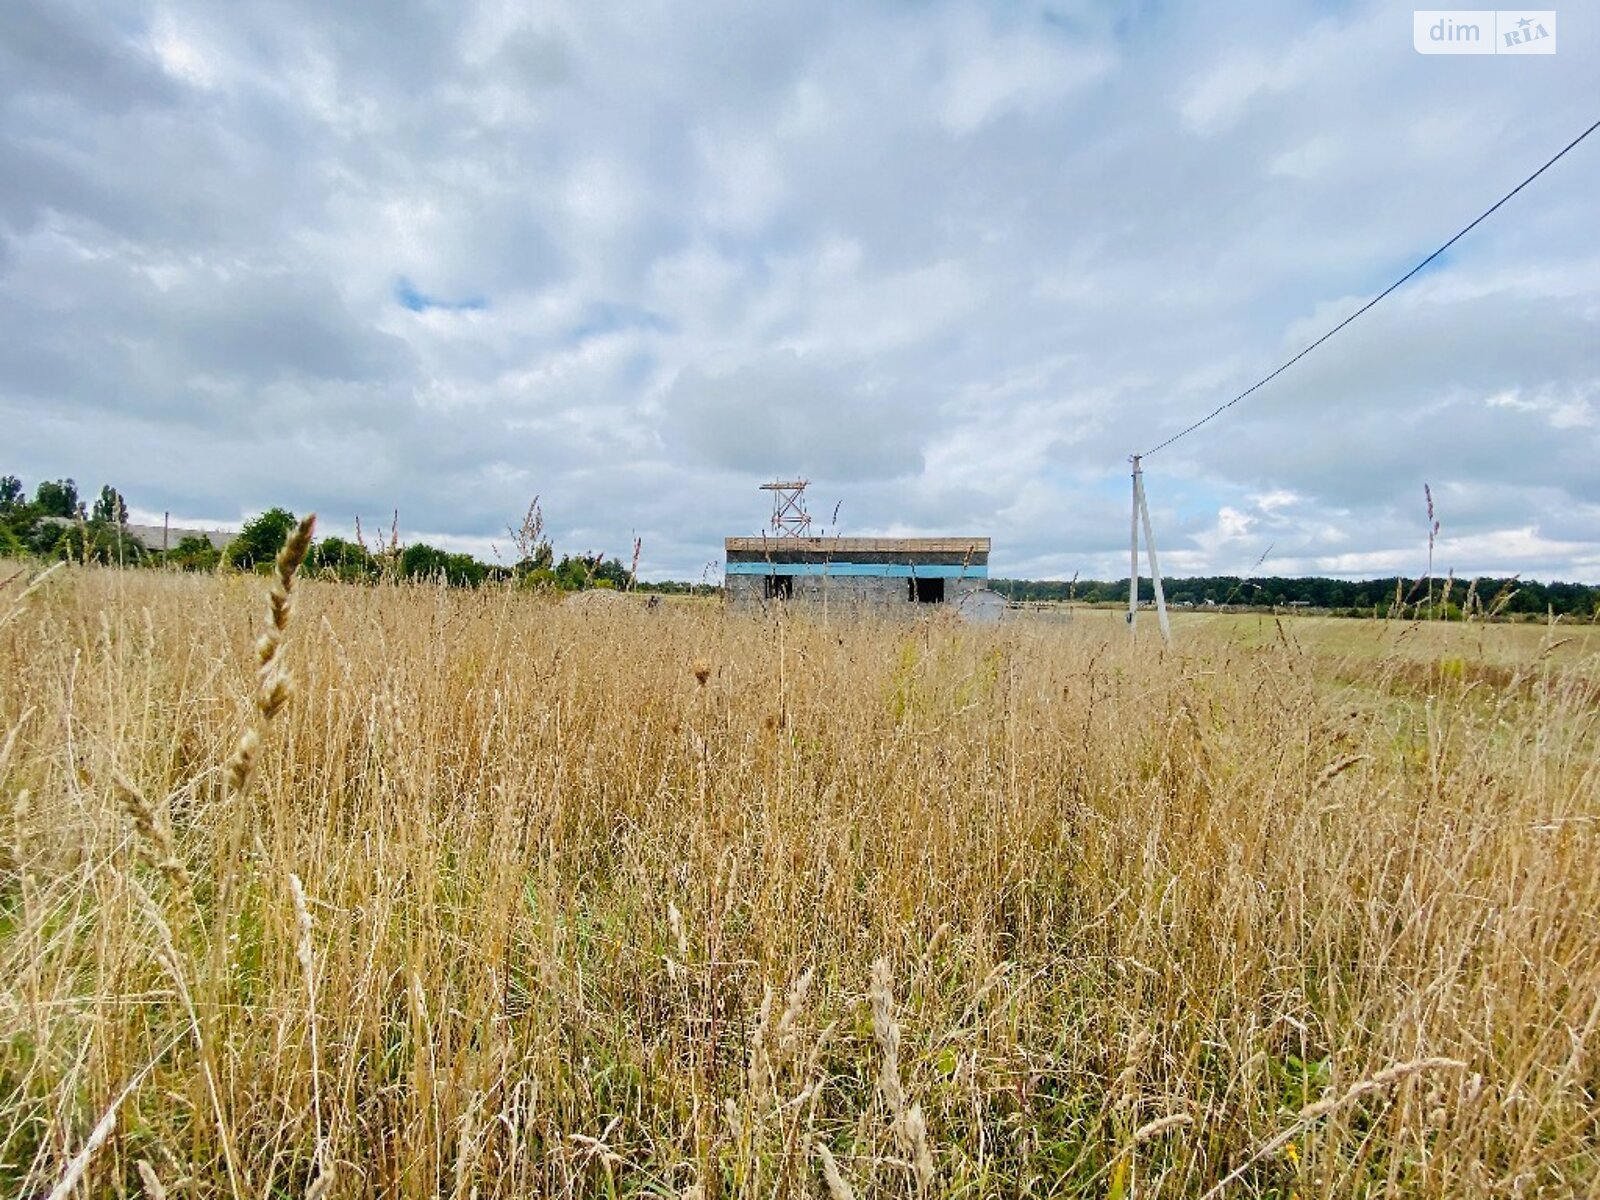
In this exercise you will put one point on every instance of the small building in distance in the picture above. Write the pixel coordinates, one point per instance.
(156, 538)
(159, 537)
(869, 573)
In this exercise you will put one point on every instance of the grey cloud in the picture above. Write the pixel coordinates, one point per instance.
(783, 413)
(64, 52)
(278, 326)
(1407, 396)
(199, 346)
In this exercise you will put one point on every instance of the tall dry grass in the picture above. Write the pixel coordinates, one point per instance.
(529, 899)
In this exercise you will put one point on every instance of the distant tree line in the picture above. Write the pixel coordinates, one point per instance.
(1364, 598)
(57, 523)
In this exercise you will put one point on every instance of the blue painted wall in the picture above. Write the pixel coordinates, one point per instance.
(871, 570)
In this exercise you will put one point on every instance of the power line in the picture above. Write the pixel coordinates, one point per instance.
(1481, 217)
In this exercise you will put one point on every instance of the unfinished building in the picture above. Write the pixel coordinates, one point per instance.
(872, 573)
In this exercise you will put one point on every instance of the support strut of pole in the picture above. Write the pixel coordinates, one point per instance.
(1133, 552)
(1141, 516)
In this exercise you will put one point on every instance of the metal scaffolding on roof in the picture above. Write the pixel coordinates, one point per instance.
(789, 516)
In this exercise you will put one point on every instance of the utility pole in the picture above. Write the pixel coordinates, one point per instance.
(1133, 552)
(1141, 515)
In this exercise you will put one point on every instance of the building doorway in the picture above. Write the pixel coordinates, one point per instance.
(926, 591)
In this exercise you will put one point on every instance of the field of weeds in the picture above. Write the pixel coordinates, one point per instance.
(509, 898)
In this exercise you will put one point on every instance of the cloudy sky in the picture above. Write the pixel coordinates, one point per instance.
(952, 262)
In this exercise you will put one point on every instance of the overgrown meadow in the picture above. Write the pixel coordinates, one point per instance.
(410, 891)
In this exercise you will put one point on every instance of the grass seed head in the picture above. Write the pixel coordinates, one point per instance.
(838, 1189)
(152, 1182)
(243, 761)
(887, 1034)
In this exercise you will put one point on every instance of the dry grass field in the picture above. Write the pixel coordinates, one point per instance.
(508, 897)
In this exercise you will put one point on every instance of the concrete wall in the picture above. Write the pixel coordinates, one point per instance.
(862, 593)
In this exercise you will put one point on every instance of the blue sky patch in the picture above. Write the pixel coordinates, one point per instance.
(608, 317)
(406, 293)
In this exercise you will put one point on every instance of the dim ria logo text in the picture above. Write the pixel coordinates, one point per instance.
(1483, 31)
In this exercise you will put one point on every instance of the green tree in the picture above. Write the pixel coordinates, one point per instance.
(58, 498)
(465, 571)
(542, 559)
(610, 571)
(572, 574)
(261, 538)
(422, 561)
(110, 508)
(18, 519)
(45, 536)
(539, 580)
(348, 560)
(194, 554)
(93, 542)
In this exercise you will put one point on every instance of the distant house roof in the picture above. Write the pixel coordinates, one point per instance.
(150, 536)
